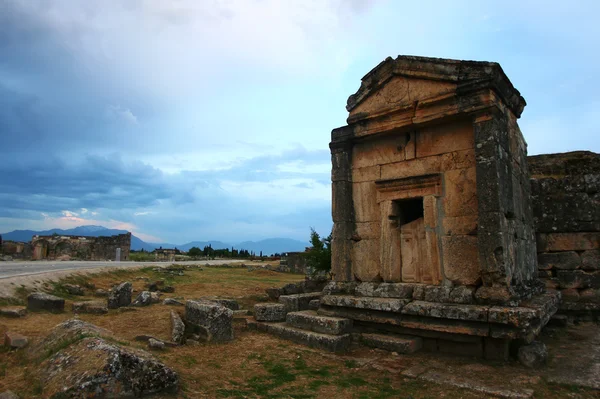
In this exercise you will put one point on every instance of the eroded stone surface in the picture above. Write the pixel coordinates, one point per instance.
(13, 311)
(15, 340)
(213, 320)
(534, 355)
(90, 307)
(120, 296)
(41, 301)
(177, 328)
(269, 312)
(310, 320)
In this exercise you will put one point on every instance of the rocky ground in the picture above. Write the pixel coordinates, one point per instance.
(254, 364)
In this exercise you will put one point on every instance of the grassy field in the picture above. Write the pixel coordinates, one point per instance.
(254, 365)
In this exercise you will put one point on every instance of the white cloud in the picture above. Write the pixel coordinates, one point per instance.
(120, 114)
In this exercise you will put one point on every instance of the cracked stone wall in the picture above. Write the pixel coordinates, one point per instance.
(566, 207)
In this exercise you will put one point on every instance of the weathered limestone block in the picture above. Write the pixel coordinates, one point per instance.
(173, 302)
(559, 260)
(101, 293)
(447, 311)
(213, 319)
(385, 290)
(534, 355)
(314, 304)
(15, 340)
(116, 372)
(13, 311)
(120, 296)
(340, 287)
(462, 294)
(296, 302)
(228, 303)
(555, 242)
(461, 192)
(269, 312)
(90, 307)
(365, 208)
(373, 303)
(146, 298)
(590, 260)
(74, 289)
(461, 259)
(437, 294)
(310, 320)
(40, 301)
(365, 264)
(446, 138)
(460, 225)
(177, 328)
(292, 288)
(155, 344)
(578, 279)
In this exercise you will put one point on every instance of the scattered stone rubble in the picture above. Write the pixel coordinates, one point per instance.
(73, 289)
(91, 365)
(91, 307)
(146, 298)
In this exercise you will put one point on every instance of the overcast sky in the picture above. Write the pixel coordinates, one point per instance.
(194, 120)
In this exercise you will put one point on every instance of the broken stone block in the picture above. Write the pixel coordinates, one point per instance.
(41, 301)
(559, 260)
(228, 303)
(15, 340)
(269, 312)
(213, 320)
(101, 293)
(116, 371)
(143, 299)
(13, 311)
(73, 289)
(90, 307)
(177, 328)
(437, 294)
(155, 344)
(120, 296)
(172, 301)
(534, 355)
(296, 302)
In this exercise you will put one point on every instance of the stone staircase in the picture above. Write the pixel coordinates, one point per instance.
(305, 326)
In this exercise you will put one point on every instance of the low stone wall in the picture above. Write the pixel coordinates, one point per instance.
(566, 206)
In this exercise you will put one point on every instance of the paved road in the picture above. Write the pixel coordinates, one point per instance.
(14, 269)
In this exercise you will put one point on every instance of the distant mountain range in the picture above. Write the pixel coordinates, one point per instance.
(268, 246)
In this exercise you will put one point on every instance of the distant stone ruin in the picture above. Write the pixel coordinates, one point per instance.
(79, 247)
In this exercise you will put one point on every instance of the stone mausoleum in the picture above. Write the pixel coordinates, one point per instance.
(433, 225)
(443, 239)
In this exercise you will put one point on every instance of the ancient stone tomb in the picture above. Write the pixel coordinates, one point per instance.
(433, 226)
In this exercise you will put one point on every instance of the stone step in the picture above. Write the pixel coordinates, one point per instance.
(332, 343)
(296, 302)
(392, 343)
(310, 320)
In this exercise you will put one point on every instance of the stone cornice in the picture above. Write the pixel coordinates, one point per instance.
(468, 75)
